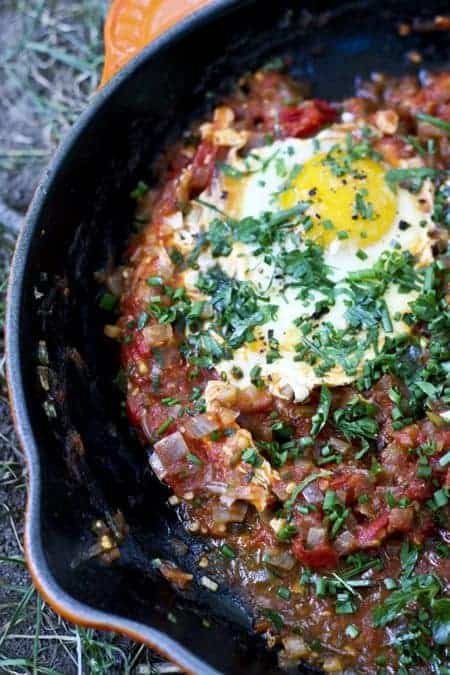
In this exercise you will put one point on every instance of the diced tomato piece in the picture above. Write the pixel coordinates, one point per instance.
(167, 200)
(306, 120)
(407, 437)
(443, 112)
(442, 437)
(393, 149)
(419, 490)
(134, 409)
(401, 520)
(135, 350)
(320, 557)
(351, 486)
(373, 533)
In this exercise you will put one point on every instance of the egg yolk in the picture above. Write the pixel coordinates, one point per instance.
(357, 205)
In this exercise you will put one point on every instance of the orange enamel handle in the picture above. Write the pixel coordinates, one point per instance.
(133, 24)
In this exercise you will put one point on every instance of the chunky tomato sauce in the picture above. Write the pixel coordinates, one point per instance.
(330, 514)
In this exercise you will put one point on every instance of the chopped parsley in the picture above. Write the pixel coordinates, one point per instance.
(418, 601)
(357, 420)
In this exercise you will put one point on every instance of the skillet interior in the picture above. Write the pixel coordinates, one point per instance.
(90, 463)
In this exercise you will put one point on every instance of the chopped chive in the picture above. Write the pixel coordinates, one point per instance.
(330, 500)
(435, 121)
(155, 281)
(424, 472)
(352, 631)
(142, 320)
(440, 498)
(165, 425)
(286, 532)
(342, 234)
(321, 587)
(362, 255)
(140, 191)
(428, 279)
(386, 319)
(445, 459)
(329, 460)
(345, 607)
(284, 593)
(156, 380)
(228, 552)
(169, 401)
(275, 618)
(108, 301)
(194, 459)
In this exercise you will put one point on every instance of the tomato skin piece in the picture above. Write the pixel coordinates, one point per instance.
(319, 558)
(373, 533)
(202, 167)
(304, 121)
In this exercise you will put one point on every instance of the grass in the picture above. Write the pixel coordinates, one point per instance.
(50, 60)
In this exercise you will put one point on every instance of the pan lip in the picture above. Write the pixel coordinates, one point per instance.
(54, 595)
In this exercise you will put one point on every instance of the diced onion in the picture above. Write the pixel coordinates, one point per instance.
(278, 558)
(332, 664)
(216, 488)
(157, 466)
(220, 392)
(230, 514)
(316, 536)
(344, 543)
(226, 415)
(164, 265)
(209, 584)
(251, 399)
(158, 334)
(313, 494)
(295, 647)
(168, 451)
(254, 494)
(339, 444)
(199, 426)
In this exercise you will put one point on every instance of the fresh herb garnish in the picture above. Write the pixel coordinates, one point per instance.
(411, 178)
(323, 410)
(434, 121)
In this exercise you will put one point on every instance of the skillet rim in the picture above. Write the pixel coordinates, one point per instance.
(53, 594)
(63, 603)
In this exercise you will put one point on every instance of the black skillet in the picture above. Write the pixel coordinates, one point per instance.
(83, 461)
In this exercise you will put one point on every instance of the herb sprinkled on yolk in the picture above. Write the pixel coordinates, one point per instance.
(359, 202)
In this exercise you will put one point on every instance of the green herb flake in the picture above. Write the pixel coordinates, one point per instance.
(108, 302)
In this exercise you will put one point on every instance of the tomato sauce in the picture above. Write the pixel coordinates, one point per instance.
(314, 594)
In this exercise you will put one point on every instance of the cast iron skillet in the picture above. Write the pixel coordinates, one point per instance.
(83, 461)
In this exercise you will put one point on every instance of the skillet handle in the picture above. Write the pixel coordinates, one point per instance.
(132, 24)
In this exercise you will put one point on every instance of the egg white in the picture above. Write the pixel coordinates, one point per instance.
(268, 169)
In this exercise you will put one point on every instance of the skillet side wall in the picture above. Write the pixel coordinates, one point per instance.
(90, 464)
